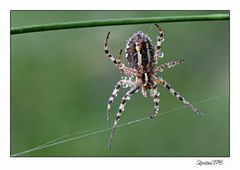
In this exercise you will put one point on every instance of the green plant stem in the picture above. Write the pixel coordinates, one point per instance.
(111, 22)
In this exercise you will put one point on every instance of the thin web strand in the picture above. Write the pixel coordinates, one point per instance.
(93, 132)
(65, 136)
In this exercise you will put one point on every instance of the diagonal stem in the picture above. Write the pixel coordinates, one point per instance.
(111, 22)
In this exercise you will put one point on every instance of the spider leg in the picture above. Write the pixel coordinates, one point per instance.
(177, 95)
(109, 55)
(117, 62)
(168, 65)
(155, 95)
(114, 94)
(144, 92)
(160, 39)
(127, 96)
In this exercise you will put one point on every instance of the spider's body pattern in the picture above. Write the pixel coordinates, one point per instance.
(142, 58)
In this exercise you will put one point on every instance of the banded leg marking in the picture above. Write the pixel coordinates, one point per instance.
(126, 97)
(117, 62)
(155, 96)
(114, 94)
(168, 65)
(178, 96)
(144, 92)
(160, 39)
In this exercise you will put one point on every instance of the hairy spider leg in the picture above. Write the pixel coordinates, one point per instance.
(117, 62)
(160, 39)
(144, 92)
(120, 55)
(155, 96)
(178, 96)
(127, 96)
(168, 65)
(114, 94)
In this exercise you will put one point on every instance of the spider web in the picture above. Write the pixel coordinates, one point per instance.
(82, 134)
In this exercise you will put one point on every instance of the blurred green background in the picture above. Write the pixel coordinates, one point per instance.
(61, 82)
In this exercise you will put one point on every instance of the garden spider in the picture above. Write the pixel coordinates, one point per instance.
(142, 58)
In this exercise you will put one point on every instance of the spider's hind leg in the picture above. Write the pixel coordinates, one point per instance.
(160, 40)
(127, 96)
(117, 62)
(178, 96)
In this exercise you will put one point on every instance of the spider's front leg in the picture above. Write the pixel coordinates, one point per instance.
(168, 65)
(117, 62)
(127, 96)
(177, 95)
(114, 94)
(155, 95)
(144, 92)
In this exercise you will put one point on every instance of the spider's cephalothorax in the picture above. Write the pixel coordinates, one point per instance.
(142, 58)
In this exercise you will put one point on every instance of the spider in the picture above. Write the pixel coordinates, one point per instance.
(142, 58)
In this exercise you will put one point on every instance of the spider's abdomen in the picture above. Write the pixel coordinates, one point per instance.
(139, 50)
